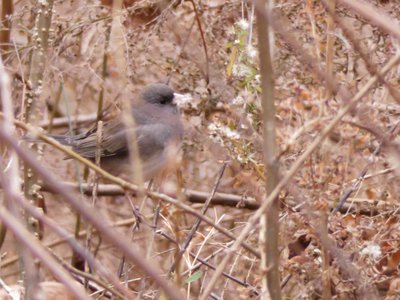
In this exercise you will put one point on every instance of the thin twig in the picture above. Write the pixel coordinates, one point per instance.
(203, 39)
(104, 70)
(198, 221)
(203, 261)
(364, 53)
(364, 171)
(179, 55)
(371, 13)
(65, 121)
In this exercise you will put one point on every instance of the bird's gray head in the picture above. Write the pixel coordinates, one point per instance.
(158, 93)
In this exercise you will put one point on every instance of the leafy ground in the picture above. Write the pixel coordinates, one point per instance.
(217, 66)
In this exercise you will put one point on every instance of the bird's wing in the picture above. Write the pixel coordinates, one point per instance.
(150, 138)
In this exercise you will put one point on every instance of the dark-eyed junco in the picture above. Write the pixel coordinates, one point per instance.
(158, 130)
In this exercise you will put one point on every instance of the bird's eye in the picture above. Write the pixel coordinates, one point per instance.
(163, 101)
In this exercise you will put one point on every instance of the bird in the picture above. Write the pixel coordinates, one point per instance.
(158, 130)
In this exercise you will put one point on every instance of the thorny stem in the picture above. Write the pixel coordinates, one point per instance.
(32, 113)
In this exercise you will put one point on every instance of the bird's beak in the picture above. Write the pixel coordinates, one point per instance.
(181, 99)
